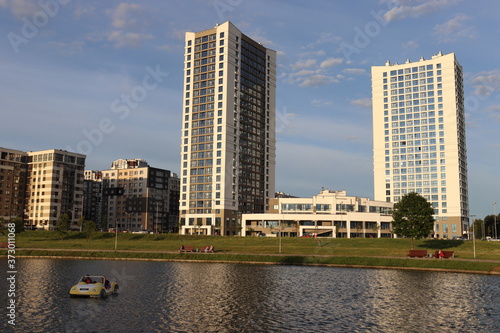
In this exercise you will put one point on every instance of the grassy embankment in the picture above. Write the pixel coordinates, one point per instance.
(349, 252)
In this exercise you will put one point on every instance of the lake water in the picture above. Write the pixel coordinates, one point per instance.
(213, 297)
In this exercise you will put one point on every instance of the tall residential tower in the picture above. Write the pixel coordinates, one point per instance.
(419, 137)
(228, 130)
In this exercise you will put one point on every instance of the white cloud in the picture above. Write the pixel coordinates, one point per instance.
(410, 45)
(454, 30)
(303, 64)
(330, 62)
(20, 8)
(126, 15)
(317, 80)
(362, 102)
(486, 83)
(403, 11)
(127, 39)
(354, 71)
(320, 103)
(324, 38)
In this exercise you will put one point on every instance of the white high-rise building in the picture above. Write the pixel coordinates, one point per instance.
(228, 130)
(419, 137)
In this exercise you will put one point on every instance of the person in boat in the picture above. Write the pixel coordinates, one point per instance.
(105, 282)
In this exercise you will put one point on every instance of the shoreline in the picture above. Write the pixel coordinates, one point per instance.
(494, 272)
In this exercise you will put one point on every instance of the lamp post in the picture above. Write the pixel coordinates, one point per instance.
(495, 218)
(127, 222)
(474, 234)
(157, 217)
(116, 234)
(280, 226)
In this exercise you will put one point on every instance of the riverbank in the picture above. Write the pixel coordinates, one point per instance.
(360, 252)
(429, 264)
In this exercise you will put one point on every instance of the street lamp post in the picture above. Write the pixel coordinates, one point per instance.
(127, 222)
(116, 234)
(474, 234)
(495, 218)
(279, 234)
(157, 217)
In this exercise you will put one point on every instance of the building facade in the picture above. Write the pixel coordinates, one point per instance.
(54, 188)
(147, 198)
(328, 214)
(13, 177)
(92, 198)
(228, 130)
(419, 138)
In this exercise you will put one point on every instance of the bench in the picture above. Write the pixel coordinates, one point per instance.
(446, 254)
(207, 249)
(187, 248)
(417, 253)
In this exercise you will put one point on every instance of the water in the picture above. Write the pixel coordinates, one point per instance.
(208, 297)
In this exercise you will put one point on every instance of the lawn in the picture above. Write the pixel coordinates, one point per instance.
(254, 245)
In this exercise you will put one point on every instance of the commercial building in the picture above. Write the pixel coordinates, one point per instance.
(328, 214)
(13, 177)
(139, 197)
(228, 130)
(54, 187)
(419, 137)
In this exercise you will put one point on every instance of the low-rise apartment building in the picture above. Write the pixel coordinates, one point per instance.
(328, 214)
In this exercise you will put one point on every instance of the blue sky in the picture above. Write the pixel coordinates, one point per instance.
(104, 78)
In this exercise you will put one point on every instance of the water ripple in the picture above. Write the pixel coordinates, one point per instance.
(207, 297)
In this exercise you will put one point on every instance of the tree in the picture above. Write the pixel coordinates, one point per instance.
(18, 224)
(412, 217)
(477, 228)
(89, 227)
(62, 225)
(81, 222)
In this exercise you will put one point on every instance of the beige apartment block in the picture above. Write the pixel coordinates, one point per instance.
(328, 214)
(228, 138)
(145, 203)
(419, 138)
(55, 187)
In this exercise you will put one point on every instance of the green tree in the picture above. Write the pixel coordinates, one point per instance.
(80, 222)
(477, 228)
(19, 224)
(412, 217)
(489, 223)
(62, 225)
(89, 227)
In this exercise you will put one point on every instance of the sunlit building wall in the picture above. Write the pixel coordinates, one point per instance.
(419, 137)
(228, 130)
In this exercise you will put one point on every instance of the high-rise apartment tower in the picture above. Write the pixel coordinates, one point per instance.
(419, 137)
(228, 130)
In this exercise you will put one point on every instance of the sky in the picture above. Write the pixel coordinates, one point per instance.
(105, 78)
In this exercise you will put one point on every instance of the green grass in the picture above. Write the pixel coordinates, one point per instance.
(349, 252)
